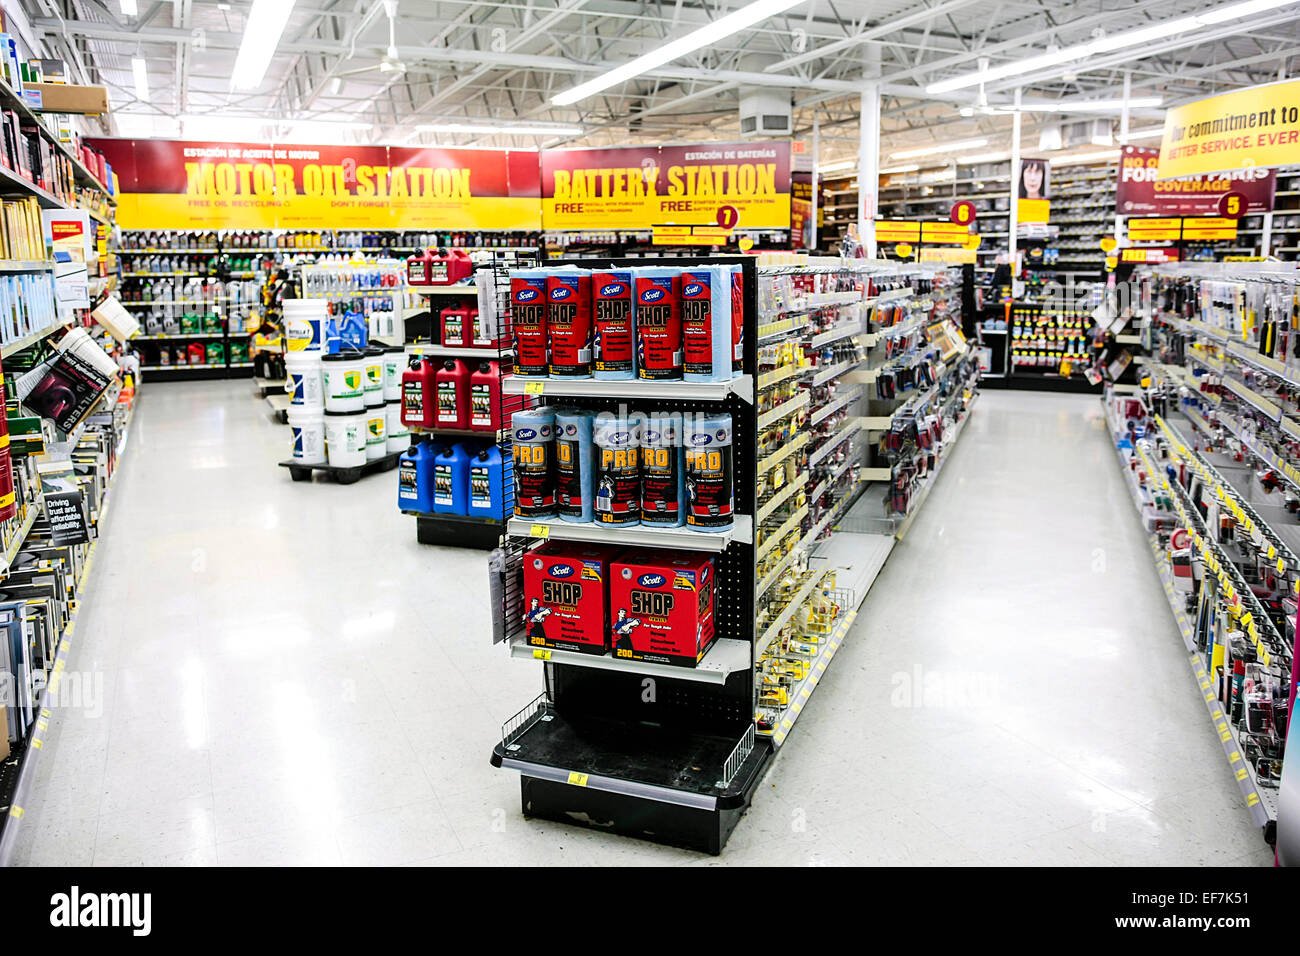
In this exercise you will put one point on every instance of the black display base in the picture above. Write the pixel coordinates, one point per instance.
(344, 476)
(650, 782)
(453, 531)
(179, 373)
(1075, 384)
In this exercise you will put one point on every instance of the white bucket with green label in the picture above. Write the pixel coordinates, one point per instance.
(345, 438)
(344, 378)
(376, 433)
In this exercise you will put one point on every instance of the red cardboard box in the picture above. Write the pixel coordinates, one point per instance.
(566, 597)
(661, 607)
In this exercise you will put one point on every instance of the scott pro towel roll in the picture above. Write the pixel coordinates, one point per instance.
(574, 480)
(663, 471)
(618, 470)
(533, 455)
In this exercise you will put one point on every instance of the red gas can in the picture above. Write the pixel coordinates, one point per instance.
(455, 327)
(417, 269)
(453, 395)
(198, 354)
(451, 266)
(418, 384)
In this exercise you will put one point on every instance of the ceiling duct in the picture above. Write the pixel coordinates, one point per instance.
(765, 111)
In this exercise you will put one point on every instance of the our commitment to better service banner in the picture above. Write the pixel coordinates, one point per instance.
(193, 185)
(1259, 126)
(733, 185)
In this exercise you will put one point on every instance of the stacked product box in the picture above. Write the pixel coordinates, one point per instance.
(643, 605)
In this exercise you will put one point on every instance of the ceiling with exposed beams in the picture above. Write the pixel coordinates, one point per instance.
(334, 77)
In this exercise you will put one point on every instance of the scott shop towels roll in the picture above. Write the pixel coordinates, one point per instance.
(533, 452)
(574, 481)
(706, 324)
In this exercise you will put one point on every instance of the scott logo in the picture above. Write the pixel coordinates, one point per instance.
(525, 434)
(560, 292)
(526, 295)
(691, 289)
(651, 580)
(651, 438)
(614, 288)
(570, 429)
(652, 295)
(561, 571)
(620, 438)
(700, 439)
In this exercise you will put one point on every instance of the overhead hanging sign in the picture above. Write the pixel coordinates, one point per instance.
(1200, 228)
(733, 185)
(1244, 129)
(192, 185)
(1033, 192)
(1140, 193)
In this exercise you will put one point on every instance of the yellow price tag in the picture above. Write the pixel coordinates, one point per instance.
(1281, 566)
(578, 779)
(1246, 619)
(541, 653)
(534, 388)
(539, 531)
(1272, 552)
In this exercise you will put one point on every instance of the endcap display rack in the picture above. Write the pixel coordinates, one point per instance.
(660, 756)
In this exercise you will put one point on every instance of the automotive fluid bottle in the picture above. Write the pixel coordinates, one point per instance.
(452, 385)
(418, 386)
(613, 351)
(710, 489)
(658, 323)
(451, 480)
(617, 499)
(487, 484)
(533, 449)
(706, 324)
(663, 471)
(528, 321)
(568, 323)
(452, 319)
(485, 397)
(354, 330)
(574, 479)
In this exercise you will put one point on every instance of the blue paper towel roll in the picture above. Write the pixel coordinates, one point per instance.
(663, 471)
(574, 483)
(706, 323)
(533, 431)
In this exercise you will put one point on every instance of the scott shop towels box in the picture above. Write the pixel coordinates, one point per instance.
(566, 588)
(661, 607)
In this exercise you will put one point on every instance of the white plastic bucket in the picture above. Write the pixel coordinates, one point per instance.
(308, 427)
(345, 438)
(304, 325)
(304, 383)
(397, 437)
(394, 365)
(374, 394)
(344, 379)
(376, 433)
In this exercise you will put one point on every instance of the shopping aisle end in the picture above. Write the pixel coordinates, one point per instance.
(1015, 689)
(285, 677)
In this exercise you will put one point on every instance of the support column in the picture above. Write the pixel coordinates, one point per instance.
(869, 165)
(1123, 141)
(816, 181)
(1013, 224)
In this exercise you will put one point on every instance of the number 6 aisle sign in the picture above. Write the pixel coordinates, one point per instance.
(963, 213)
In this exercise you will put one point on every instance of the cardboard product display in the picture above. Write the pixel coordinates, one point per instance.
(70, 98)
(661, 607)
(566, 597)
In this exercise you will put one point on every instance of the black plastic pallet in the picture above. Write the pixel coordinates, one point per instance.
(344, 476)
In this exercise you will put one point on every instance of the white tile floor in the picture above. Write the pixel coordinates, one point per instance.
(286, 677)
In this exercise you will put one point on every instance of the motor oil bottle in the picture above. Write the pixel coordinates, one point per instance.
(452, 389)
(418, 387)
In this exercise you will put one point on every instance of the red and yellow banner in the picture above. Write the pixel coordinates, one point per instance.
(1140, 193)
(190, 185)
(733, 185)
(1244, 129)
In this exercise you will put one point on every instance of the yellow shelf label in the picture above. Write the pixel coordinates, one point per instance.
(540, 531)
(578, 779)
(542, 654)
(534, 388)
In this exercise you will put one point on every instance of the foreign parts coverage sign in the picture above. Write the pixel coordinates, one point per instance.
(195, 185)
(1140, 193)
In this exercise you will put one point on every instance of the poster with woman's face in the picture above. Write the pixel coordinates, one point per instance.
(1035, 179)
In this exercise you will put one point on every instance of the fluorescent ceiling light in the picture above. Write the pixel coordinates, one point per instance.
(518, 129)
(1151, 133)
(266, 22)
(982, 158)
(708, 35)
(909, 168)
(1091, 106)
(1079, 159)
(129, 8)
(141, 75)
(942, 148)
(839, 165)
(1106, 44)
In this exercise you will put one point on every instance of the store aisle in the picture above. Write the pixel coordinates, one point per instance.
(278, 673)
